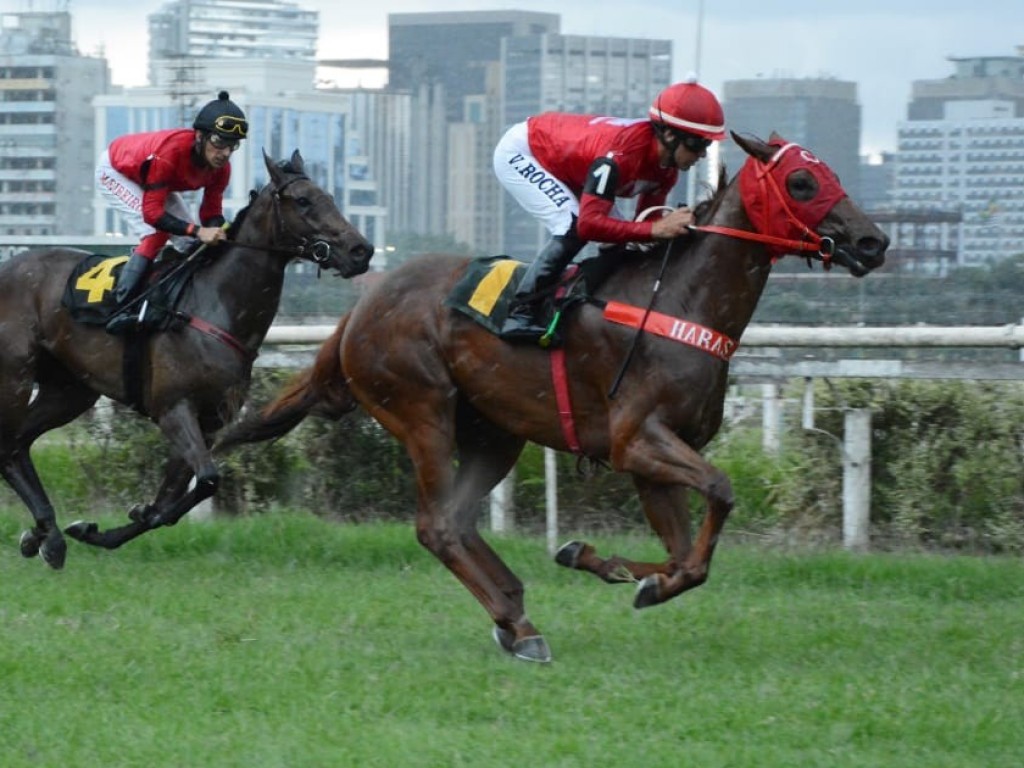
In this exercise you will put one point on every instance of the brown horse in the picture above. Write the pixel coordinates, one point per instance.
(192, 381)
(463, 403)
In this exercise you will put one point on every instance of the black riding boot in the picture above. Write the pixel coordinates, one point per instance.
(127, 282)
(522, 323)
(131, 275)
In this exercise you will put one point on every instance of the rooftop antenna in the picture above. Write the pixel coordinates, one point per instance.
(691, 176)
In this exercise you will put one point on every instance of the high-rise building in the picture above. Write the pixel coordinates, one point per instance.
(821, 114)
(447, 62)
(962, 148)
(230, 29)
(47, 151)
(453, 49)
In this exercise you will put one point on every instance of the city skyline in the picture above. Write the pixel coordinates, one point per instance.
(880, 48)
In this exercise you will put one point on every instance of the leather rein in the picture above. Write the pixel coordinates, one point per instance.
(318, 251)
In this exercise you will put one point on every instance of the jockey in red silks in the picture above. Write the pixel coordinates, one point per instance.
(143, 174)
(566, 170)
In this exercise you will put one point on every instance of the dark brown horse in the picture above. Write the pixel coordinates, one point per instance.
(463, 403)
(192, 381)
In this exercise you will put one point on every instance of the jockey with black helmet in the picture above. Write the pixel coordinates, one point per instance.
(567, 169)
(143, 174)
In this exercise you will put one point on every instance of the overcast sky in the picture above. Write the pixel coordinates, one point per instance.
(882, 45)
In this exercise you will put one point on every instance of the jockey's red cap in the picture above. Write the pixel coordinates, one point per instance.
(689, 107)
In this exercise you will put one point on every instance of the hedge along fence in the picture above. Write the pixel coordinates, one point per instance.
(946, 470)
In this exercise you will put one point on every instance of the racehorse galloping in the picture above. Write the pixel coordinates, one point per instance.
(463, 403)
(192, 381)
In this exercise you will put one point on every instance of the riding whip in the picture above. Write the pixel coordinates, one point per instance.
(643, 321)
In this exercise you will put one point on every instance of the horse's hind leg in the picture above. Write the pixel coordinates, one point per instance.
(59, 400)
(486, 454)
(667, 509)
(45, 538)
(445, 518)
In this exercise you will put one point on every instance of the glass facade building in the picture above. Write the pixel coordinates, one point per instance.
(821, 114)
(962, 148)
(47, 155)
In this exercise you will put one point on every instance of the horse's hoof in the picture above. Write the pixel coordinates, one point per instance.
(503, 638)
(139, 513)
(80, 530)
(533, 648)
(29, 544)
(54, 550)
(569, 553)
(647, 592)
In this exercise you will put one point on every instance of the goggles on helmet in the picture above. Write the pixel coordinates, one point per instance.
(229, 125)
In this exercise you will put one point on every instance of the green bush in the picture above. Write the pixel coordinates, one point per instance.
(946, 470)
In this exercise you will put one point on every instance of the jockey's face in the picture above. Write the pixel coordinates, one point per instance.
(681, 150)
(215, 151)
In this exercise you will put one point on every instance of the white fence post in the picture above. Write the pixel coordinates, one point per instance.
(502, 509)
(807, 416)
(551, 498)
(771, 417)
(856, 478)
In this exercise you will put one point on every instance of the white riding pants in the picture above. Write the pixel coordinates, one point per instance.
(536, 189)
(125, 197)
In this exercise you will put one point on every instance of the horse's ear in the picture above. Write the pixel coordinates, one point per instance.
(753, 146)
(296, 162)
(275, 173)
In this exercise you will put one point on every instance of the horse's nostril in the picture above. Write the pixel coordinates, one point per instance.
(873, 246)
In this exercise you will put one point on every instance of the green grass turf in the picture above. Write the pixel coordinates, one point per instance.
(288, 641)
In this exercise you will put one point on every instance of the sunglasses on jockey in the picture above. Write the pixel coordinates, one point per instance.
(673, 138)
(692, 141)
(219, 142)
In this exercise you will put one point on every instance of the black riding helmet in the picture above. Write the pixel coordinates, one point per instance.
(223, 117)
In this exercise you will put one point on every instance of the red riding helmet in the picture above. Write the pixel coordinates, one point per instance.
(691, 108)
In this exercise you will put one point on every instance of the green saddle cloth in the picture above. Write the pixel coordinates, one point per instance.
(485, 292)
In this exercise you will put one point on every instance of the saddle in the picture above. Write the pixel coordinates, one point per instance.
(89, 299)
(89, 292)
(486, 291)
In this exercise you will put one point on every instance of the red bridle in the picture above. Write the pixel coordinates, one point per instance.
(774, 220)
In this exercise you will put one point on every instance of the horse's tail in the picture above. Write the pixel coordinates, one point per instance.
(319, 390)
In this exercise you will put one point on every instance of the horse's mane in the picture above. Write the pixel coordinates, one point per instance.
(286, 167)
(707, 208)
(240, 216)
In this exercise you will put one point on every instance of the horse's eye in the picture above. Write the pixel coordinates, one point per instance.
(802, 186)
(303, 202)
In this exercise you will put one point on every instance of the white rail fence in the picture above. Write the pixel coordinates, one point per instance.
(854, 447)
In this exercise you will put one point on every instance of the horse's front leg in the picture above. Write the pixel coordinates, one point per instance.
(192, 459)
(682, 467)
(664, 467)
(666, 508)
